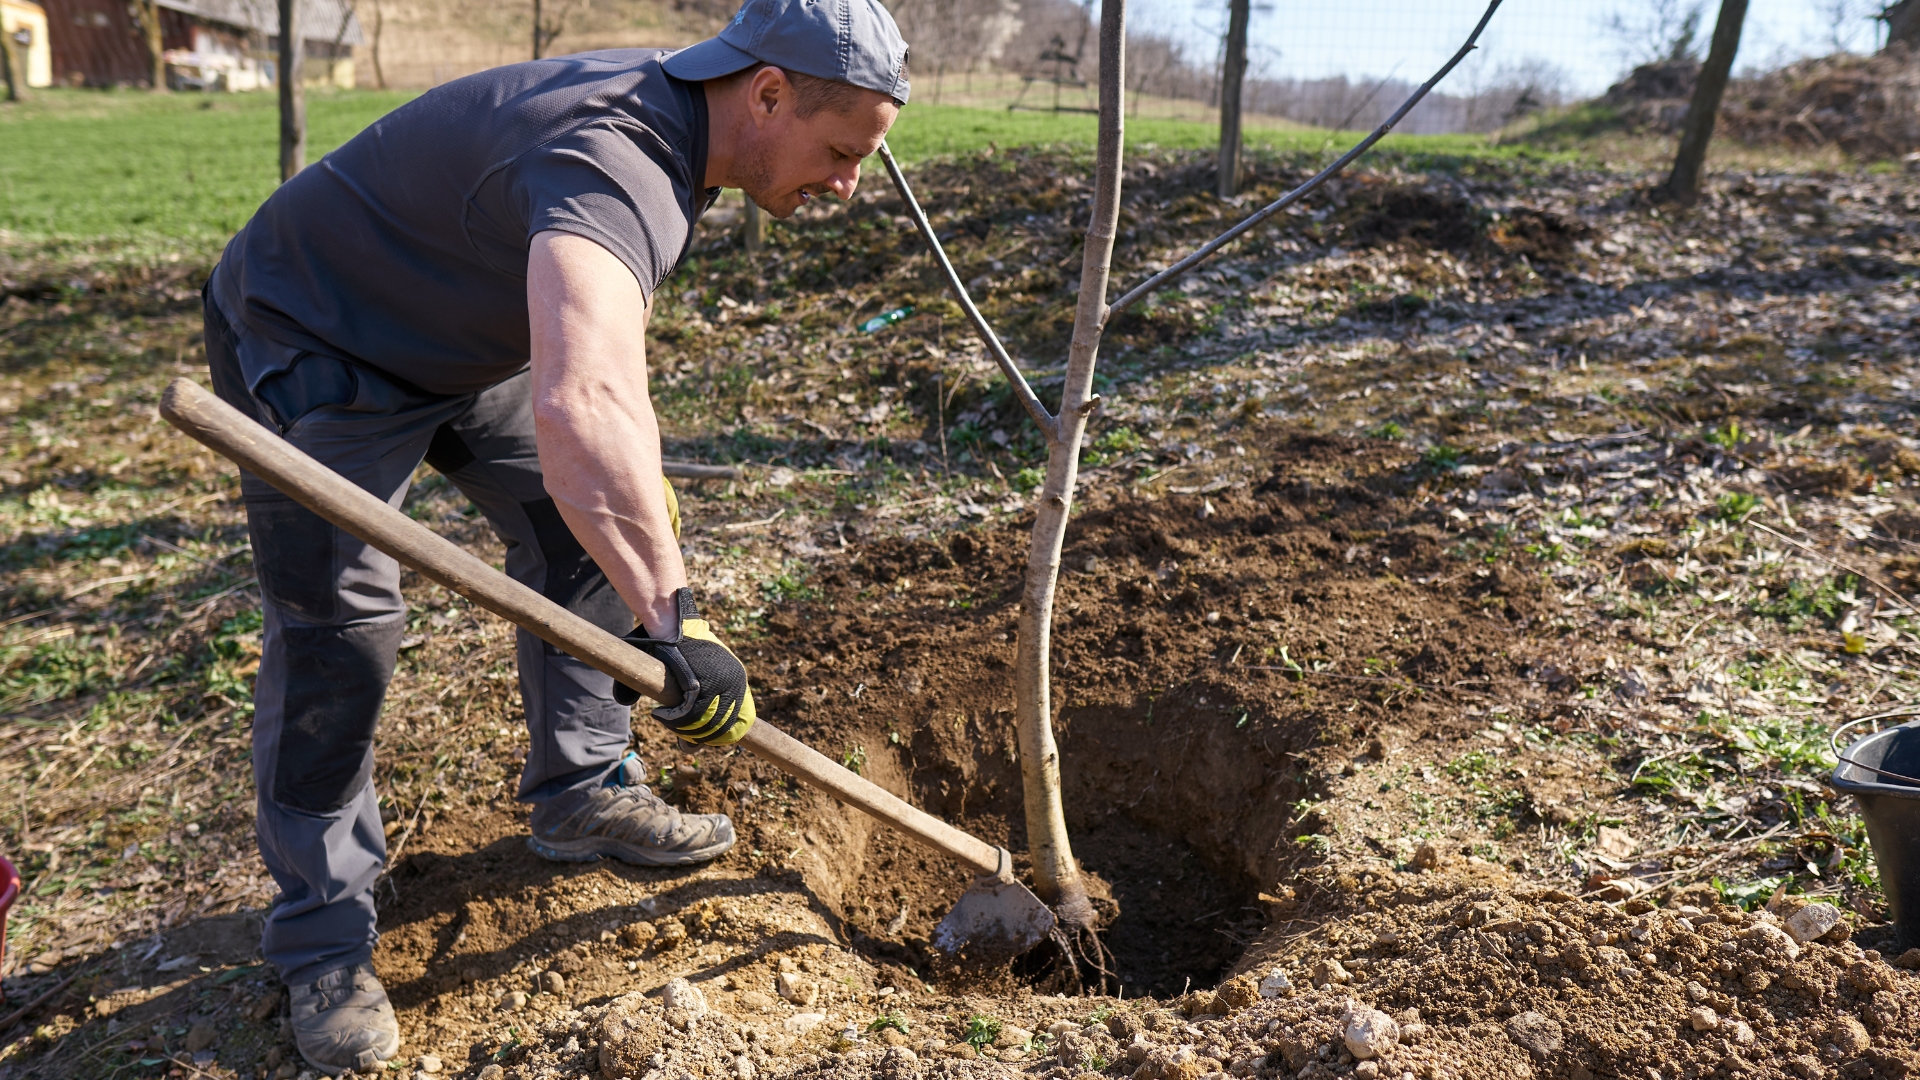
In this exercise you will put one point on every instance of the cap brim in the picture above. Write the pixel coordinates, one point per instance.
(710, 59)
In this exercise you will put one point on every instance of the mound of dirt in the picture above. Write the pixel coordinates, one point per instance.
(1447, 973)
(1485, 978)
(1382, 212)
(1868, 106)
(1654, 96)
(1186, 626)
(1378, 212)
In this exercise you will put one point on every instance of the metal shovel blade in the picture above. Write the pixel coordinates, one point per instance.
(996, 919)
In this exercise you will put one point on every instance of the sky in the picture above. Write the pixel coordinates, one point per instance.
(1368, 39)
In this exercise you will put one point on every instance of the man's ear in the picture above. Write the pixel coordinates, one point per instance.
(768, 95)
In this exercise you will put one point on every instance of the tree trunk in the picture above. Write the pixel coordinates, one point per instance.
(9, 61)
(293, 91)
(753, 230)
(1903, 23)
(379, 22)
(147, 14)
(536, 29)
(1055, 874)
(1232, 78)
(1683, 186)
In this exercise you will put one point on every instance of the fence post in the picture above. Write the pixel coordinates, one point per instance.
(16, 83)
(293, 92)
(753, 231)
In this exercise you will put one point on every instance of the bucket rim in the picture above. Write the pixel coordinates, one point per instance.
(1909, 789)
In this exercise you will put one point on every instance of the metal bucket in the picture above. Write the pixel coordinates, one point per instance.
(1882, 771)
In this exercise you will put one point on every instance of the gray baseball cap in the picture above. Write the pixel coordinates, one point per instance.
(850, 41)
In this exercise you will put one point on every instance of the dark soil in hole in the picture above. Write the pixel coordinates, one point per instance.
(1204, 644)
(1180, 921)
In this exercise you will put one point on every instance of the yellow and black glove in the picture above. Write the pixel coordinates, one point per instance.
(673, 507)
(716, 705)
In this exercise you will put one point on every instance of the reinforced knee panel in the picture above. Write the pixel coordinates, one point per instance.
(336, 680)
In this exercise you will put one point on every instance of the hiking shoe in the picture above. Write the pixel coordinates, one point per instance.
(626, 820)
(342, 1021)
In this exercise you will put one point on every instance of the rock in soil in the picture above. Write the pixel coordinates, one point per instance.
(1369, 1033)
(1812, 921)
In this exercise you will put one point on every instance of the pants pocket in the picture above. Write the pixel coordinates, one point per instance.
(313, 381)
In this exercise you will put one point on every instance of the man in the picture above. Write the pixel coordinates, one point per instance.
(468, 282)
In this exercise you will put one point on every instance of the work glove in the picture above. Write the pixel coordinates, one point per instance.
(673, 507)
(716, 706)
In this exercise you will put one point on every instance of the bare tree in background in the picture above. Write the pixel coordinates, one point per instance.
(1233, 74)
(1151, 58)
(957, 35)
(147, 14)
(293, 91)
(1513, 92)
(339, 43)
(1841, 16)
(1683, 186)
(373, 49)
(548, 24)
(1903, 23)
(1662, 30)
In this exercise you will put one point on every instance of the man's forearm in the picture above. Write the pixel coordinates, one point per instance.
(594, 424)
(604, 475)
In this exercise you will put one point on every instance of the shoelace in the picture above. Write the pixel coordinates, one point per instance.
(332, 996)
(638, 795)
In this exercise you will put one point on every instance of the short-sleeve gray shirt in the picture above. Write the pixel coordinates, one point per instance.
(406, 248)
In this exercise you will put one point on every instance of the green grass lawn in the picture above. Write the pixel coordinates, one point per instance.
(134, 170)
(184, 169)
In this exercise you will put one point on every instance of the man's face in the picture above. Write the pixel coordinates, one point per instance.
(791, 160)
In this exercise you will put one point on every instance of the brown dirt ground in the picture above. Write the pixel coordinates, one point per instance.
(1282, 658)
(1180, 729)
(1187, 741)
(1194, 752)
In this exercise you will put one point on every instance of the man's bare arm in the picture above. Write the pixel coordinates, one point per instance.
(593, 419)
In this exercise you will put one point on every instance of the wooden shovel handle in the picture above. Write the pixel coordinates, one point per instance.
(254, 448)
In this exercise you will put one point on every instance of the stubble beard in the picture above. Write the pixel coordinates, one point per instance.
(756, 180)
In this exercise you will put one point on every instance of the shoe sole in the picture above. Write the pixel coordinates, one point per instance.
(593, 848)
(342, 1070)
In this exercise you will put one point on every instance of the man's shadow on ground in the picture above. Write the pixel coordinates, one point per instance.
(429, 893)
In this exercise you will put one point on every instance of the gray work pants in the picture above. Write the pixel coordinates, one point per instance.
(334, 618)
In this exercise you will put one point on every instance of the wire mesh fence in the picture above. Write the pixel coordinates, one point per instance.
(1347, 65)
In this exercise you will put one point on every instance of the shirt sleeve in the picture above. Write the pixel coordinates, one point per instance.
(600, 182)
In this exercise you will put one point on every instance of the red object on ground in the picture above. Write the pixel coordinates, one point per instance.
(9, 891)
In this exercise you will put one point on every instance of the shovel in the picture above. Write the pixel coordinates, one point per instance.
(996, 919)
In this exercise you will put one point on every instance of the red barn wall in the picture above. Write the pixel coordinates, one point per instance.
(98, 43)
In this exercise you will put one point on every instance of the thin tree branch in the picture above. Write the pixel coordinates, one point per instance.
(1888, 590)
(1177, 269)
(1048, 426)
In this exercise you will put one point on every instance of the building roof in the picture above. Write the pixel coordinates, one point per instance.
(325, 20)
